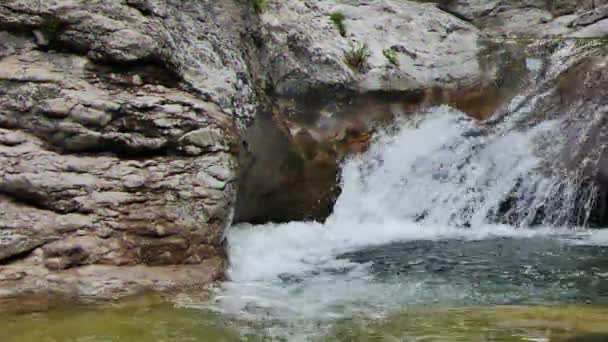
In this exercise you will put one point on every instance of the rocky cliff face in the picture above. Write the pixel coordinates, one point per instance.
(119, 133)
(571, 89)
(124, 124)
(533, 18)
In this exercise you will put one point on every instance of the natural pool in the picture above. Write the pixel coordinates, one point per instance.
(536, 286)
(153, 319)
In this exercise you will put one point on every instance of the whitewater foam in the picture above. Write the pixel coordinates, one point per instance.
(262, 253)
(441, 176)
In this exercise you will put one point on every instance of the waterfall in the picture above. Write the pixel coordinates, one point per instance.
(437, 176)
(442, 168)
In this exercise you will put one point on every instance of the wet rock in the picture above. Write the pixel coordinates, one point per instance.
(283, 180)
(573, 92)
(322, 109)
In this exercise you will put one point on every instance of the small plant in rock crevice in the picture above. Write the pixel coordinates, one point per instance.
(357, 56)
(51, 26)
(338, 20)
(391, 56)
(259, 6)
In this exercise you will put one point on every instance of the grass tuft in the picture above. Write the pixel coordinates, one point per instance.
(259, 6)
(338, 19)
(391, 56)
(357, 55)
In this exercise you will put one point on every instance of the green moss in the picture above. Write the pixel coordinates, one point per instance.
(357, 55)
(391, 56)
(51, 26)
(338, 19)
(259, 6)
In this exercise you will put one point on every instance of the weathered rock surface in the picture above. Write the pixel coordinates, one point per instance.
(531, 18)
(105, 281)
(119, 126)
(304, 51)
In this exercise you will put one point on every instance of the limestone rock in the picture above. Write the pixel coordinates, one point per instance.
(304, 52)
(107, 282)
(596, 30)
(529, 18)
(108, 111)
(163, 32)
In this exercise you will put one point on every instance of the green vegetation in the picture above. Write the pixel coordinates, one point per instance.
(338, 19)
(391, 56)
(259, 6)
(356, 57)
(51, 26)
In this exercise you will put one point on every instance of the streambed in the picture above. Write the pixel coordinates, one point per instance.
(549, 287)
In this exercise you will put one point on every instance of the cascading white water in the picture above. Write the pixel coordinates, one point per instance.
(438, 176)
(443, 169)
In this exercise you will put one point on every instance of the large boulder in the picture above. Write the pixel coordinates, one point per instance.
(119, 135)
(304, 51)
